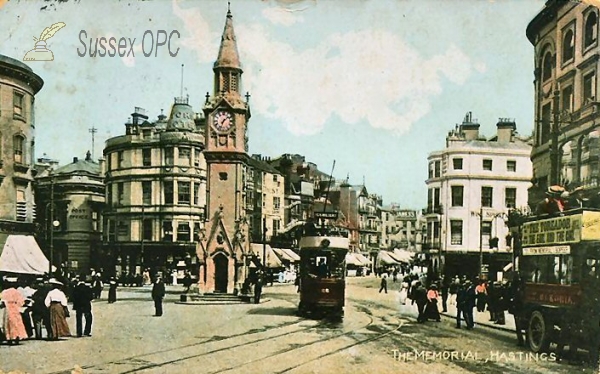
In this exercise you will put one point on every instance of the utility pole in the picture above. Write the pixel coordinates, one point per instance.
(481, 242)
(554, 151)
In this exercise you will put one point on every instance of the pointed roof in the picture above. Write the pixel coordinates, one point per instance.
(228, 52)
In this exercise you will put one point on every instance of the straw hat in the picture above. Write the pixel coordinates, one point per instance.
(54, 281)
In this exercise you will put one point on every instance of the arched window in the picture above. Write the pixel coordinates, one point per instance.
(568, 48)
(547, 66)
(19, 148)
(591, 29)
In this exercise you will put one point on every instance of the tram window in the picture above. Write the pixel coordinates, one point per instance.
(548, 269)
(322, 267)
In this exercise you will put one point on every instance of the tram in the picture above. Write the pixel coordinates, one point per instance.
(557, 288)
(322, 274)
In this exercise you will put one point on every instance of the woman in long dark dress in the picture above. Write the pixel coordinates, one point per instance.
(431, 310)
(112, 290)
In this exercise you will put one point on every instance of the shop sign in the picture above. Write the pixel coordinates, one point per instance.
(559, 230)
(590, 226)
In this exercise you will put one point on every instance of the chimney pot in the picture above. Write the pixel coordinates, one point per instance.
(75, 159)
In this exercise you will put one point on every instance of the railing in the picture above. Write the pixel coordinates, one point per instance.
(437, 209)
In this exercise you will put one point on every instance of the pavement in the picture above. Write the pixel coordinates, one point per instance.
(483, 318)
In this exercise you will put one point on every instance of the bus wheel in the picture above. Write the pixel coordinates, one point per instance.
(538, 333)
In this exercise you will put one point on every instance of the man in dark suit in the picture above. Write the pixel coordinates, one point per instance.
(82, 304)
(158, 293)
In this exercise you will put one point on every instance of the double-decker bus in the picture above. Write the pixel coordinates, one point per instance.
(557, 291)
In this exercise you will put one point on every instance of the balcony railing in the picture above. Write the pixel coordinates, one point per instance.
(436, 209)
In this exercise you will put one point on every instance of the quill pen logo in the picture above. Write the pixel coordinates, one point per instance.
(41, 52)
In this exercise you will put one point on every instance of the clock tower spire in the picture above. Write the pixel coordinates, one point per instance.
(227, 115)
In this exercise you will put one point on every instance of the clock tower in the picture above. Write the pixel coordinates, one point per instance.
(227, 114)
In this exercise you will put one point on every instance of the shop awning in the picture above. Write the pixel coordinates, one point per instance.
(285, 256)
(384, 258)
(402, 255)
(273, 260)
(362, 258)
(351, 259)
(22, 255)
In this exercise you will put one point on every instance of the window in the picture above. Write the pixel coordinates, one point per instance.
(147, 229)
(168, 231)
(486, 233)
(487, 164)
(183, 232)
(437, 169)
(589, 87)
(121, 159)
(457, 163)
(511, 165)
(146, 157)
(21, 206)
(276, 226)
(19, 148)
(184, 157)
(197, 156)
(456, 232)
(567, 99)
(276, 203)
(436, 197)
(430, 170)
(183, 193)
(486, 196)
(95, 221)
(223, 176)
(111, 230)
(457, 195)
(109, 194)
(120, 193)
(18, 103)
(147, 134)
(168, 190)
(591, 30)
(147, 193)
(544, 127)
(122, 229)
(510, 197)
(568, 47)
(169, 156)
(547, 66)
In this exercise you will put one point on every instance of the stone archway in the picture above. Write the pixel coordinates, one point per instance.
(221, 266)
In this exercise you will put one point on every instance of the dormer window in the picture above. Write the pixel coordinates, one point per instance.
(591, 30)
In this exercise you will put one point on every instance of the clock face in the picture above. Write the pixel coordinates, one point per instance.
(223, 121)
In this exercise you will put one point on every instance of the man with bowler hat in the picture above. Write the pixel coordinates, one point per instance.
(158, 293)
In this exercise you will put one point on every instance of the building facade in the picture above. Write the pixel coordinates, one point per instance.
(71, 200)
(399, 228)
(565, 151)
(472, 184)
(155, 193)
(18, 87)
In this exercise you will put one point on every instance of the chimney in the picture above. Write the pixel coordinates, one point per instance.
(75, 159)
(506, 128)
(470, 128)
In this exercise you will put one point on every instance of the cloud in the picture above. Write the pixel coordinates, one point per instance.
(200, 38)
(369, 75)
(282, 16)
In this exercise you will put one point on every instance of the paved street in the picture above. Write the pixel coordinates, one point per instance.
(376, 336)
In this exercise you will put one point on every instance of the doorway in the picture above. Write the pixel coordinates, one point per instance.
(221, 272)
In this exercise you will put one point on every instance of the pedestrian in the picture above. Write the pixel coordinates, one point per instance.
(158, 293)
(146, 278)
(419, 296)
(461, 304)
(12, 301)
(383, 283)
(27, 292)
(56, 301)
(444, 292)
(39, 312)
(258, 287)
(97, 286)
(453, 289)
(431, 309)
(82, 304)
(112, 290)
(187, 281)
(469, 304)
(481, 293)
(395, 275)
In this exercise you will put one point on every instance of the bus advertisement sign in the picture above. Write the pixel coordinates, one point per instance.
(551, 250)
(559, 230)
(552, 294)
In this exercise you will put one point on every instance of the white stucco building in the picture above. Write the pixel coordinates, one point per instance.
(472, 184)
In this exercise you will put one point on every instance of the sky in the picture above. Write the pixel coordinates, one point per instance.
(373, 84)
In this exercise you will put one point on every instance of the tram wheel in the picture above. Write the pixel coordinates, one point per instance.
(538, 333)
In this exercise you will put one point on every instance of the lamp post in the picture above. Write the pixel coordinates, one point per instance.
(264, 238)
(54, 224)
